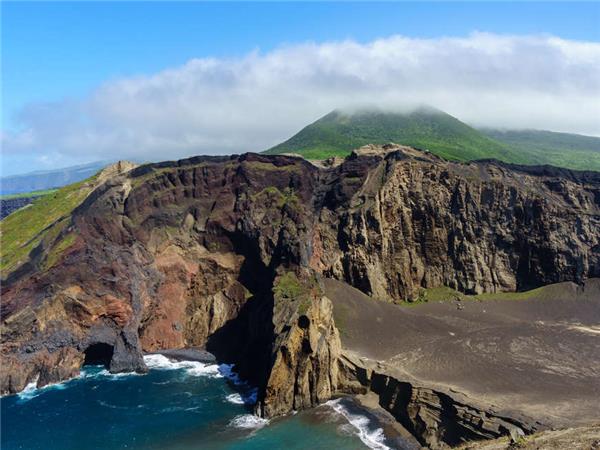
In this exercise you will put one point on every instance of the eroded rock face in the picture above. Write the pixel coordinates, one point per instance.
(416, 222)
(307, 347)
(438, 419)
(187, 253)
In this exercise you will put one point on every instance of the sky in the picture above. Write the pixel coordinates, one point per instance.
(86, 81)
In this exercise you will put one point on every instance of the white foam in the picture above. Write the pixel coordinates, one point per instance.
(247, 394)
(32, 391)
(243, 398)
(104, 373)
(235, 399)
(371, 438)
(160, 362)
(248, 421)
(192, 368)
(211, 370)
(120, 375)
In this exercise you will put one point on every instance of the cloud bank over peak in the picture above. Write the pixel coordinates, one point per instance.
(234, 105)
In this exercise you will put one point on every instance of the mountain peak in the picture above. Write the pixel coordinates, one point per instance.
(423, 126)
(374, 110)
(420, 126)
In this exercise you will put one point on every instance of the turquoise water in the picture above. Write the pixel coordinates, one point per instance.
(183, 405)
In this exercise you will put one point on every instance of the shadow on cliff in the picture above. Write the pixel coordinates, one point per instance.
(247, 340)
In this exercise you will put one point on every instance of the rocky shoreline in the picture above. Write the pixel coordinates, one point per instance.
(365, 405)
(241, 256)
(430, 418)
(187, 354)
(396, 435)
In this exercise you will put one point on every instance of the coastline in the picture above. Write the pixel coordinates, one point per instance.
(363, 405)
(395, 433)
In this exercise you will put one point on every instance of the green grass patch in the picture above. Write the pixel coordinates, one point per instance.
(524, 295)
(320, 153)
(546, 147)
(304, 305)
(25, 229)
(288, 287)
(271, 195)
(267, 166)
(438, 294)
(446, 294)
(338, 133)
(28, 194)
(58, 249)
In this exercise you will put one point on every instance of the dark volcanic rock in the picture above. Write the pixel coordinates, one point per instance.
(9, 205)
(436, 418)
(186, 254)
(189, 354)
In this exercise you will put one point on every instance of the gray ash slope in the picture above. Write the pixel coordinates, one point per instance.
(227, 254)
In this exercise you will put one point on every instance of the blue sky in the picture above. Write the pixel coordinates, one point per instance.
(55, 52)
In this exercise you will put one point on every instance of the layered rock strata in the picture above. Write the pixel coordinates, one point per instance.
(191, 253)
(437, 418)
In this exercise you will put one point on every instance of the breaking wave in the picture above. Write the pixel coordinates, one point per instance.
(86, 373)
(247, 394)
(248, 421)
(32, 391)
(235, 399)
(372, 438)
(193, 368)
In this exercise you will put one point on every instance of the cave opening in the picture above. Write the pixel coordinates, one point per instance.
(98, 355)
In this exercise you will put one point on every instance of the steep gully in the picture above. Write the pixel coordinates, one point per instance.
(227, 253)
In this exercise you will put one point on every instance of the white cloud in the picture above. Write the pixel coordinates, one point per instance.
(235, 105)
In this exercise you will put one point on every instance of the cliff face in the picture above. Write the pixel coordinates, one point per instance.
(437, 418)
(307, 346)
(223, 253)
(416, 222)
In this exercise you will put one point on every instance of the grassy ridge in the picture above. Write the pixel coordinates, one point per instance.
(28, 194)
(338, 133)
(43, 220)
(546, 147)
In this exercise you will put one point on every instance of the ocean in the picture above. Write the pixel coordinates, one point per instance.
(176, 405)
